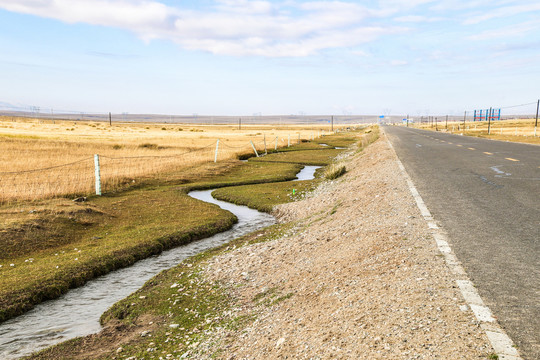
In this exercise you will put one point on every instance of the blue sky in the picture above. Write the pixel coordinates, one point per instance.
(240, 57)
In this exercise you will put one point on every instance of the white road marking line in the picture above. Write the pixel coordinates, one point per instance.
(482, 313)
(511, 159)
(471, 148)
(459, 145)
(488, 153)
(469, 292)
(502, 346)
(501, 343)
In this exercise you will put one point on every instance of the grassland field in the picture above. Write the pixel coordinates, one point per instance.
(42, 159)
(199, 305)
(505, 130)
(51, 245)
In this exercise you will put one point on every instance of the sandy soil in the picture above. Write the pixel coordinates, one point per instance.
(358, 277)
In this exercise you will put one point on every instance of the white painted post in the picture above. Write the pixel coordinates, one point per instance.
(299, 138)
(253, 146)
(515, 134)
(275, 148)
(289, 141)
(98, 174)
(265, 151)
(217, 148)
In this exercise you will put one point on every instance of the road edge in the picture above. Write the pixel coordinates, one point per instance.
(502, 344)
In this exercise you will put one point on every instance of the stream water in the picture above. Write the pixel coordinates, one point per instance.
(77, 312)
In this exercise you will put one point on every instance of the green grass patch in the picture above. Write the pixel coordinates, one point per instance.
(340, 140)
(312, 145)
(264, 197)
(304, 157)
(252, 172)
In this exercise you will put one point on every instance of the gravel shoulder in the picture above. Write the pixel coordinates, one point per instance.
(359, 276)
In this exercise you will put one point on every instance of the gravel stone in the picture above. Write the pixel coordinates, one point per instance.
(358, 277)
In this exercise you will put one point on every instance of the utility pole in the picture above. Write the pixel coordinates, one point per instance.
(464, 119)
(110, 119)
(239, 123)
(332, 122)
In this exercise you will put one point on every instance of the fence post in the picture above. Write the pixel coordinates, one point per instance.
(265, 151)
(98, 175)
(289, 141)
(299, 138)
(217, 148)
(253, 146)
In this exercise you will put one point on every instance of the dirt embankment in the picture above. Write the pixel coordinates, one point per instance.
(359, 277)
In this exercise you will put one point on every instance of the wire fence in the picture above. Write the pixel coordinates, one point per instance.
(526, 111)
(79, 178)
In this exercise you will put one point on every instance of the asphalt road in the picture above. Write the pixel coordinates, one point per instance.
(486, 196)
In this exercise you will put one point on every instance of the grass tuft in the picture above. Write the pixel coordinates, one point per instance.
(333, 171)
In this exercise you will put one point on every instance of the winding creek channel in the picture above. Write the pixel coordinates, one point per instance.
(77, 313)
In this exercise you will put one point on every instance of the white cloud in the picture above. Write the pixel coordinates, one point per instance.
(511, 31)
(136, 15)
(231, 27)
(398, 63)
(411, 18)
(502, 12)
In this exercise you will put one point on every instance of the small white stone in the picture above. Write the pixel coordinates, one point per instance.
(174, 326)
(280, 342)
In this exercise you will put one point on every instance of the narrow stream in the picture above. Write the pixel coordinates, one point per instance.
(77, 313)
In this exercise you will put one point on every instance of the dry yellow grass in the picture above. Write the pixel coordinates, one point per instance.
(40, 159)
(518, 130)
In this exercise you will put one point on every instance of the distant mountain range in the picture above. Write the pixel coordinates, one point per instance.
(8, 106)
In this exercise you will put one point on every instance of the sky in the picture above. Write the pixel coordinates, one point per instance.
(242, 57)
